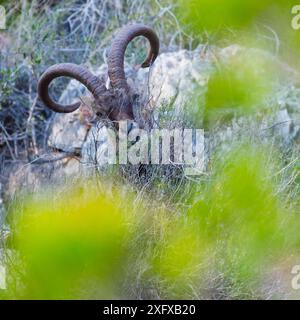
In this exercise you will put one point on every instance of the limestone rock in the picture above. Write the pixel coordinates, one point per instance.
(173, 80)
(68, 133)
(96, 149)
(34, 177)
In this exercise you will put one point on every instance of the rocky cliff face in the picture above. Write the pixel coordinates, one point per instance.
(177, 81)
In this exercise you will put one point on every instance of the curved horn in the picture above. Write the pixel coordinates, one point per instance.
(93, 83)
(117, 52)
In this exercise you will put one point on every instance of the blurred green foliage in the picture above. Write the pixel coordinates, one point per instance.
(212, 15)
(251, 22)
(90, 244)
(239, 86)
(73, 248)
(238, 227)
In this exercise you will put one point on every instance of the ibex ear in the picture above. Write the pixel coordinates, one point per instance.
(87, 111)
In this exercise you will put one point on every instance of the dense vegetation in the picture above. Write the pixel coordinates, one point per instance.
(231, 233)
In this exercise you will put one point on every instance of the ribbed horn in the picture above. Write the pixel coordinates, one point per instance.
(117, 52)
(93, 84)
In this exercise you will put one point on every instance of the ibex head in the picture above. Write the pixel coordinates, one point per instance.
(116, 102)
